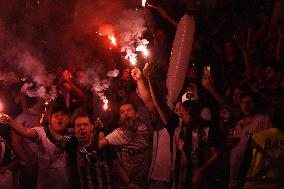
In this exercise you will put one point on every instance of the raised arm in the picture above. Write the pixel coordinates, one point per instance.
(69, 85)
(245, 46)
(164, 14)
(18, 128)
(157, 104)
(207, 82)
(58, 139)
(144, 92)
(148, 69)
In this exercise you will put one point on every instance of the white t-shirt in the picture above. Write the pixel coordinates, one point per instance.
(137, 140)
(117, 137)
(52, 163)
(256, 124)
(29, 119)
(136, 164)
(160, 168)
(50, 156)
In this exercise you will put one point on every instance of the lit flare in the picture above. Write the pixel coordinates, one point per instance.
(105, 106)
(144, 3)
(143, 49)
(133, 61)
(112, 39)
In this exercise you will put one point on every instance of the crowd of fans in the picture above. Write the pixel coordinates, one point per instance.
(226, 130)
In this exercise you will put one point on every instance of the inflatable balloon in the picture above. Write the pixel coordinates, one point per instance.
(180, 57)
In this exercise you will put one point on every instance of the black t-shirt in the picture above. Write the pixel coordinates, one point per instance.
(197, 143)
(90, 164)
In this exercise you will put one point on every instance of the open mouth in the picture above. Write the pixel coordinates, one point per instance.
(59, 122)
(127, 119)
(83, 133)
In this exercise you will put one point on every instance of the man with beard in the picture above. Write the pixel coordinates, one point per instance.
(131, 139)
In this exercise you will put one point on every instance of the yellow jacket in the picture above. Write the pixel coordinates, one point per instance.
(267, 166)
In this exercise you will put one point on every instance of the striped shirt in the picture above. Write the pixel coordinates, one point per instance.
(93, 165)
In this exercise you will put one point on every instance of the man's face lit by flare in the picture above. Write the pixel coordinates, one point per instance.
(59, 121)
(83, 130)
(127, 112)
(128, 117)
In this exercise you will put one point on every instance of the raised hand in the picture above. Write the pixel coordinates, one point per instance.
(136, 74)
(66, 75)
(162, 11)
(207, 80)
(4, 118)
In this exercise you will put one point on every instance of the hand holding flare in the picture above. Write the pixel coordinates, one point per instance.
(4, 118)
(136, 74)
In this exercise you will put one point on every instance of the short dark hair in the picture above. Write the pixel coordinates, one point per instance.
(31, 101)
(256, 104)
(192, 107)
(127, 101)
(82, 114)
(58, 107)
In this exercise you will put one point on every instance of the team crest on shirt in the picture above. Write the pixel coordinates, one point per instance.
(142, 128)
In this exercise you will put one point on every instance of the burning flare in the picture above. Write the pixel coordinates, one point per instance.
(144, 3)
(133, 61)
(112, 39)
(143, 49)
(105, 106)
(132, 57)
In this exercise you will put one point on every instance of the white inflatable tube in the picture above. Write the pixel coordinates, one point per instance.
(180, 57)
